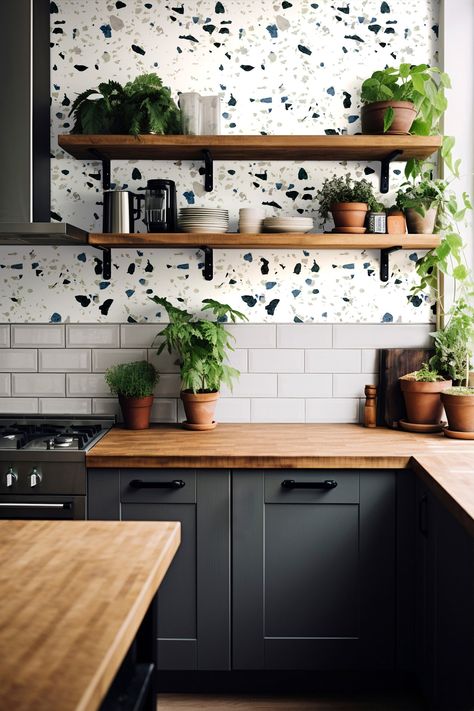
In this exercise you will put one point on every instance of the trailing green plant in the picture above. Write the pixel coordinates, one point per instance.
(344, 189)
(201, 344)
(454, 344)
(423, 195)
(143, 105)
(426, 374)
(419, 83)
(137, 379)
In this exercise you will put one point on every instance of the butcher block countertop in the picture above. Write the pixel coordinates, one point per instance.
(447, 464)
(74, 594)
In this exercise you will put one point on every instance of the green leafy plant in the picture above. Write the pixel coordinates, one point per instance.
(201, 344)
(423, 195)
(426, 374)
(344, 189)
(453, 344)
(137, 379)
(143, 105)
(421, 84)
(458, 390)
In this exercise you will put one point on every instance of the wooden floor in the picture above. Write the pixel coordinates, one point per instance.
(200, 702)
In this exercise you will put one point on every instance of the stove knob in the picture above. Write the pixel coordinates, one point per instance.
(35, 477)
(11, 477)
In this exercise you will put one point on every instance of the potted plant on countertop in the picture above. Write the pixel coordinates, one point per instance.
(202, 346)
(407, 99)
(422, 394)
(142, 106)
(134, 384)
(348, 201)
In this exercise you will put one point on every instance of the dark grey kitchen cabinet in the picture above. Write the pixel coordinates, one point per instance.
(193, 610)
(314, 570)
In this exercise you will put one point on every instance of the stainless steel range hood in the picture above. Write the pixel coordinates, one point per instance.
(25, 199)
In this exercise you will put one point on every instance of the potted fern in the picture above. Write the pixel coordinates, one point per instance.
(202, 346)
(134, 384)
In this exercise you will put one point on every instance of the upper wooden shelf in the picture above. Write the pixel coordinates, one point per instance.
(360, 147)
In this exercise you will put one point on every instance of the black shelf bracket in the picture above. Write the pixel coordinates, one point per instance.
(105, 167)
(208, 170)
(106, 262)
(385, 261)
(385, 170)
(208, 271)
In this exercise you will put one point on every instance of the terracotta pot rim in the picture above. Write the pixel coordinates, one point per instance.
(461, 400)
(377, 105)
(418, 386)
(136, 401)
(200, 397)
(350, 206)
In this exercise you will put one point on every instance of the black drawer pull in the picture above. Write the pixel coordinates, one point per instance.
(292, 484)
(140, 484)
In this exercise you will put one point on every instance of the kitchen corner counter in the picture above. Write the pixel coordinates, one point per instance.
(74, 594)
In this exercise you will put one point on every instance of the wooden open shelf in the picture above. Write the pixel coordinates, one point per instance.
(360, 147)
(293, 240)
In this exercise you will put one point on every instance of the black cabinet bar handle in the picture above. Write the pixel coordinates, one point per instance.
(140, 484)
(292, 484)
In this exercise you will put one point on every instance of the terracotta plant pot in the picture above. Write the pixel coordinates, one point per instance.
(459, 411)
(199, 408)
(136, 411)
(373, 116)
(349, 214)
(418, 225)
(423, 400)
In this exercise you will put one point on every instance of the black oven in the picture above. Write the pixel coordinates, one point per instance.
(60, 508)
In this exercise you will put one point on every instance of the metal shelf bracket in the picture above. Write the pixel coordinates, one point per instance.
(208, 271)
(385, 261)
(105, 168)
(385, 170)
(208, 170)
(106, 262)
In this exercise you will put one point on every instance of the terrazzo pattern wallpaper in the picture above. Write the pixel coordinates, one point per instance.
(286, 67)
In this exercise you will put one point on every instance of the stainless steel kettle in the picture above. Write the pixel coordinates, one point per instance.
(121, 210)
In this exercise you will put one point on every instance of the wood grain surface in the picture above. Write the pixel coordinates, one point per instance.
(73, 596)
(321, 702)
(96, 147)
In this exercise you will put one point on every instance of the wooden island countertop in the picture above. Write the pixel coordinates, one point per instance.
(446, 464)
(74, 594)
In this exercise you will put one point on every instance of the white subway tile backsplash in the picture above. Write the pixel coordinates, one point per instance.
(352, 385)
(18, 359)
(67, 360)
(93, 336)
(233, 409)
(4, 336)
(304, 335)
(65, 406)
(169, 385)
(305, 385)
(106, 406)
(5, 384)
(19, 406)
(103, 358)
(253, 335)
(33, 336)
(266, 360)
(277, 410)
(164, 410)
(86, 385)
(252, 385)
(332, 410)
(370, 360)
(238, 359)
(332, 360)
(165, 362)
(40, 384)
(139, 335)
(361, 335)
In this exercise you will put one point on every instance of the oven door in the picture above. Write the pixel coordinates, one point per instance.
(62, 508)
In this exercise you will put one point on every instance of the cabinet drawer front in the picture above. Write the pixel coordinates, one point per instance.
(136, 486)
(346, 490)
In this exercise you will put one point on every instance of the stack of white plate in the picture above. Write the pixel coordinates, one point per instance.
(203, 219)
(288, 224)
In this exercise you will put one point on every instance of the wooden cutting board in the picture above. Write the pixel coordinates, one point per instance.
(395, 362)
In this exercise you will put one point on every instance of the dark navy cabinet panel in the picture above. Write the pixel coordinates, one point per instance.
(314, 571)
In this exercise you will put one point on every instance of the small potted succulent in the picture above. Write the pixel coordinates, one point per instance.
(421, 202)
(134, 384)
(422, 394)
(202, 346)
(348, 201)
(407, 99)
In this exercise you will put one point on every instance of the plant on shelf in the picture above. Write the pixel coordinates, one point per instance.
(421, 201)
(348, 201)
(407, 99)
(134, 384)
(202, 346)
(143, 105)
(422, 394)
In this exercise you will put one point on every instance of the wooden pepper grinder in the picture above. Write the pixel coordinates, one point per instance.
(370, 410)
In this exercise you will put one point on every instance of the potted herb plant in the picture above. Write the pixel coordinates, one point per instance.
(134, 384)
(459, 405)
(422, 394)
(407, 99)
(348, 201)
(143, 105)
(202, 346)
(421, 201)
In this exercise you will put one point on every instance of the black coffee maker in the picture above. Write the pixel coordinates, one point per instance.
(160, 206)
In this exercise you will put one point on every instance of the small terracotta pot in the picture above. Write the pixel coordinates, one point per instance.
(418, 225)
(423, 400)
(136, 411)
(199, 407)
(349, 214)
(372, 117)
(459, 411)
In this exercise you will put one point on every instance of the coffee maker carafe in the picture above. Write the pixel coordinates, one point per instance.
(160, 206)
